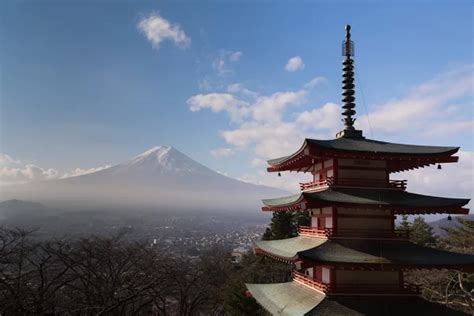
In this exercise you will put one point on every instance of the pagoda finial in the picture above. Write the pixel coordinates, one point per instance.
(348, 86)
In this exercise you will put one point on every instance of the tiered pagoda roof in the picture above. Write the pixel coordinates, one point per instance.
(400, 157)
(293, 298)
(367, 253)
(351, 260)
(401, 201)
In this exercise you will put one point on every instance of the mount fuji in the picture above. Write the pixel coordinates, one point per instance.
(160, 178)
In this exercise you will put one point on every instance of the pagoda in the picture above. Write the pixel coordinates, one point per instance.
(352, 259)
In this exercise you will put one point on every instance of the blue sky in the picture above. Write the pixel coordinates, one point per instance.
(82, 86)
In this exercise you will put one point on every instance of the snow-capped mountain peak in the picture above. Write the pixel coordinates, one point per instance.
(165, 159)
(158, 152)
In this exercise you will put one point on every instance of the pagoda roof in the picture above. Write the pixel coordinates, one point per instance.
(289, 298)
(394, 252)
(287, 249)
(363, 251)
(293, 298)
(393, 199)
(402, 156)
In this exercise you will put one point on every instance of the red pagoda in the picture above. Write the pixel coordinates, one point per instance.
(352, 259)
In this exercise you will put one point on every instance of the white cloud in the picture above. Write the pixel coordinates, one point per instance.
(235, 56)
(294, 64)
(157, 29)
(26, 173)
(453, 180)
(257, 162)
(12, 171)
(426, 108)
(261, 127)
(224, 63)
(270, 108)
(450, 128)
(326, 117)
(219, 102)
(7, 160)
(222, 152)
(269, 129)
(238, 88)
(266, 140)
(204, 84)
(316, 81)
(81, 171)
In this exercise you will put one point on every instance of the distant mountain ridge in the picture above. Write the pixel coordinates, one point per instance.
(161, 177)
(438, 225)
(16, 207)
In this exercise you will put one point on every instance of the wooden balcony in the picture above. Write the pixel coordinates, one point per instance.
(305, 280)
(353, 233)
(357, 288)
(314, 231)
(365, 183)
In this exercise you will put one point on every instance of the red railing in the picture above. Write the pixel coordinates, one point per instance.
(303, 279)
(355, 232)
(371, 183)
(314, 231)
(359, 288)
(317, 184)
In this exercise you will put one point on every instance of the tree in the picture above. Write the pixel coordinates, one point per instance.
(404, 224)
(284, 225)
(421, 233)
(454, 289)
(461, 237)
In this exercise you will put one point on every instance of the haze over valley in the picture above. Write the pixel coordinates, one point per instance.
(160, 195)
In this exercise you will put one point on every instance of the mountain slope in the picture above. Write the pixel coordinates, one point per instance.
(445, 223)
(161, 177)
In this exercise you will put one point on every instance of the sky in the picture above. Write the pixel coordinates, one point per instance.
(89, 84)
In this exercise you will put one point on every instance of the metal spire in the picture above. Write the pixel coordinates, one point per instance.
(348, 86)
(348, 81)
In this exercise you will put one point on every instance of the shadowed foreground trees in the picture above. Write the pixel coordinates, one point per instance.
(105, 276)
(455, 289)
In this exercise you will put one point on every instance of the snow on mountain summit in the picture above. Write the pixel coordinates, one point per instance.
(166, 159)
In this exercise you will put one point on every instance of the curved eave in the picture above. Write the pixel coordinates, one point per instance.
(401, 254)
(289, 298)
(292, 202)
(301, 157)
(401, 157)
(399, 201)
(287, 249)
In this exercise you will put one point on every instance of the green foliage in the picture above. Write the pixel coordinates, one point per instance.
(284, 225)
(237, 302)
(421, 233)
(404, 224)
(461, 238)
(255, 269)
